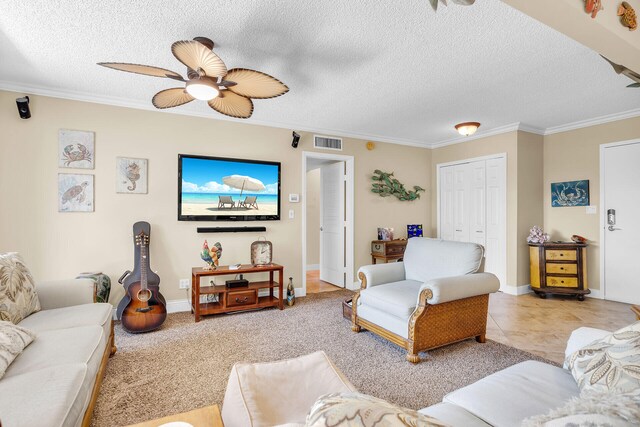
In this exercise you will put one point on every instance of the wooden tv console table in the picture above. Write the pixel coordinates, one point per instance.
(236, 299)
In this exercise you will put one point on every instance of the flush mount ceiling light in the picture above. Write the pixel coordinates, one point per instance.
(229, 92)
(467, 128)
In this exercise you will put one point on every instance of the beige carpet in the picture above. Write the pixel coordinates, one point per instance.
(185, 365)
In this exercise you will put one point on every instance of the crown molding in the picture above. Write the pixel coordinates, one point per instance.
(138, 105)
(593, 122)
(127, 103)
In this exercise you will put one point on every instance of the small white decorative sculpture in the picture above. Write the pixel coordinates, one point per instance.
(537, 235)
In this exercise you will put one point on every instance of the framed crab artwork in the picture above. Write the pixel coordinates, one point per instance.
(76, 149)
(75, 192)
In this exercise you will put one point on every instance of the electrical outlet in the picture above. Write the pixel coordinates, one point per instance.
(183, 284)
(291, 214)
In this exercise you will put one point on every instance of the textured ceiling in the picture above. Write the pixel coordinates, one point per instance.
(391, 71)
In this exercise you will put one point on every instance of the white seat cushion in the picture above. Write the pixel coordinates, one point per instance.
(258, 394)
(426, 259)
(396, 298)
(70, 317)
(453, 415)
(506, 398)
(73, 345)
(56, 403)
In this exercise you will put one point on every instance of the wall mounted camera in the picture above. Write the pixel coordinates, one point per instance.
(23, 107)
(295, 140)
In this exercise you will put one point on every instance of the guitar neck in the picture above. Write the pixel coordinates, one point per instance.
(144, 265)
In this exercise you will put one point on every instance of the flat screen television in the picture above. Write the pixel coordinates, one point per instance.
(221, 189)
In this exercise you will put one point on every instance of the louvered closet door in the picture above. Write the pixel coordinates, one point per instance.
(495, 246)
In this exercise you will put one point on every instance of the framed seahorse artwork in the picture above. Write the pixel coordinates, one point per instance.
(131, 175)
(76, 149)
(75, 192)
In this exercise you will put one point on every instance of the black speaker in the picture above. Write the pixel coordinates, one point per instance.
(23, 107)
(295, 140)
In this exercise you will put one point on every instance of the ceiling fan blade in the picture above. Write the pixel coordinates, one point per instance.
(255, 84)
(171, 98)
(195, 55)
(232, 104)
(146, 70)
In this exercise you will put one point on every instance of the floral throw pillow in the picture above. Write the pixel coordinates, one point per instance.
(18, 297)
(360, 410)
(13, 339)
(610, 364)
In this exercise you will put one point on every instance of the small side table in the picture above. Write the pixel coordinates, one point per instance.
(209, 416)
(387, 250)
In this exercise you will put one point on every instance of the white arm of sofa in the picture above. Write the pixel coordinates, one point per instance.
(581, 337)
(447, 289)
(65, 293)
(379, 274)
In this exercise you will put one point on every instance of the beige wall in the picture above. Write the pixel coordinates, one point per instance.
(573, 155)
(530, 193)
(59, 245)
(313, 217)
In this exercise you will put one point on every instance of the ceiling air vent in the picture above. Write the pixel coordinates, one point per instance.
(327, 142)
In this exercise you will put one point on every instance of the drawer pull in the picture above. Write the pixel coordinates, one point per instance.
(243, 300)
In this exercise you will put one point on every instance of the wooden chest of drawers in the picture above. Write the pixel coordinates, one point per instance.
(387, 250)
(559, 268)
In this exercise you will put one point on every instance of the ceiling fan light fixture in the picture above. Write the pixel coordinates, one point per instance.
(203, 88)
(467, 128)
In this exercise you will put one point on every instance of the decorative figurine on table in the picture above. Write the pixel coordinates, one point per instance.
(537, 235)
(211, 256)
(291, 293)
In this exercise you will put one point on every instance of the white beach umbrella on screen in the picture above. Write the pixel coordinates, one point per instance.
(243, 183)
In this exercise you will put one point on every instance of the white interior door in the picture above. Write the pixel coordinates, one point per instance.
(477, 202)
(446, 203)
(332, 223)
(621, 192)
(495, 238)
(460, 203)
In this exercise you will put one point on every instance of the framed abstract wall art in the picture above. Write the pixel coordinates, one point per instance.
(570, 193)
(131, 175)
(76, 149)
(75, 192)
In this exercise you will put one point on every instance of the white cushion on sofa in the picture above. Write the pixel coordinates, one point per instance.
(397, 298)
(52, 348)
(506, 398)
(426, 259)
(56, 403)
(259, 394)
(70, 317)
(453, 415)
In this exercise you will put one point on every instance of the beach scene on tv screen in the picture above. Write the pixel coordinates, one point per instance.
(225, 187)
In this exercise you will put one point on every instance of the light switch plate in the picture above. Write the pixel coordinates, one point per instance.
(294, 198)
(592, 210)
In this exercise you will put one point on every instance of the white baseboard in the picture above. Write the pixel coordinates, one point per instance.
(516, 290)
(173, 306)
(595, 293)
(313, 267)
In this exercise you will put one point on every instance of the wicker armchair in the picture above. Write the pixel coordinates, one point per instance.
(436, 296)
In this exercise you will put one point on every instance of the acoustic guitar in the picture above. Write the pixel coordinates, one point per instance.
(143, 308)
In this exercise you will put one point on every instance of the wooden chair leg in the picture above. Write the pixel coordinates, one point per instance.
(413, 357)
(481, 338)
(356, 328)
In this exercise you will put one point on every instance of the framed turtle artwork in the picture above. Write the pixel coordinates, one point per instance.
(131, 175)
(75, 192)
(76, 149)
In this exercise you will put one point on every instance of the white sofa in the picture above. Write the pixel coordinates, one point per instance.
(436, 296)
(508, 397)
(56, 379)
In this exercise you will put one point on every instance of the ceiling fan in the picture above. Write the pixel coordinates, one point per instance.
(229, 92)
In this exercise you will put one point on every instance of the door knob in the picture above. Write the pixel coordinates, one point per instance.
(612, 228)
